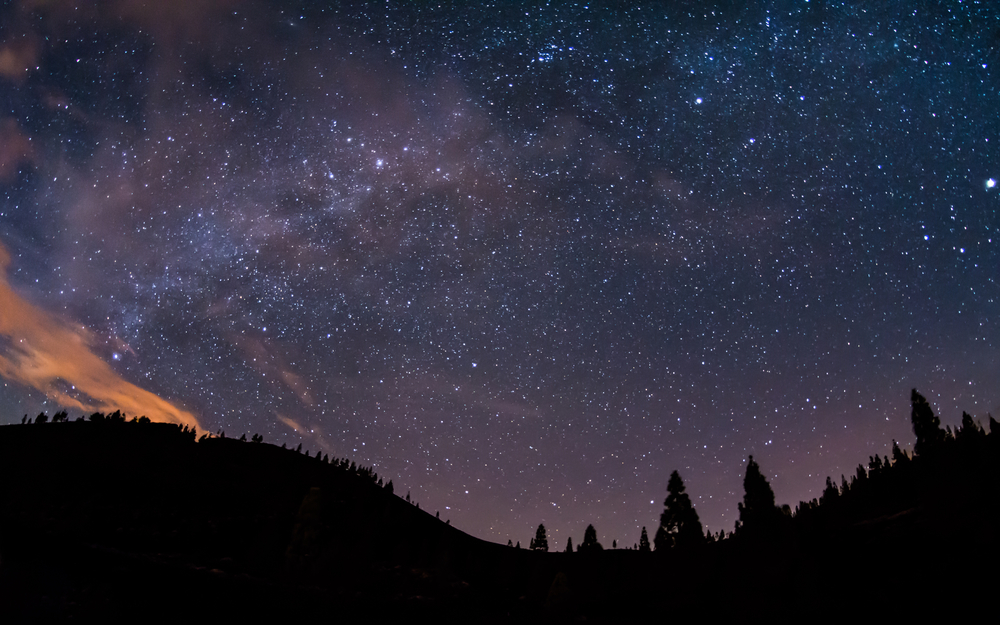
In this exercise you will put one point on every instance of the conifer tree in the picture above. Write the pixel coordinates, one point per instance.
(643, 540)
(540, 542)
(830, 493)
(569, 545)
(662, 540)
(898, 455)
(757, 512)
(926, 425)
(969, 431)
(679, 519)
(590, 541)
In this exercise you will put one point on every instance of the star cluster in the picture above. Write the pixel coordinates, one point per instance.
(525, 260)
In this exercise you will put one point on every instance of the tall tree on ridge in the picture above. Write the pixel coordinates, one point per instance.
(757, 512)
(926, 425)
(540, 542)
(590, 541)
(679, 519)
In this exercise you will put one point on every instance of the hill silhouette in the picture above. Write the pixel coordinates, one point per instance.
(109, 520)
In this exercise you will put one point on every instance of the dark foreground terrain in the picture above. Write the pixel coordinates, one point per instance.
(116, 521)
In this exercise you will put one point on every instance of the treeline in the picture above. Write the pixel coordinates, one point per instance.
(957, 464)
(117, 418)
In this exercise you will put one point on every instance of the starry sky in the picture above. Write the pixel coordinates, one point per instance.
(525, 260)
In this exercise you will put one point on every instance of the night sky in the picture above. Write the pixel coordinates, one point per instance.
(523, 260)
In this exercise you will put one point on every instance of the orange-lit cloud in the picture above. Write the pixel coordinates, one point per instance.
(43, 352)
(292, 423)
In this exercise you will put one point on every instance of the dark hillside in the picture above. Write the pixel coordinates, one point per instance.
(169, 520)
(116, 521)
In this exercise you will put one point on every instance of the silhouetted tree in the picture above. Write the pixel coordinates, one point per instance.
(757, 512)
(569, 545)
(898, 455)
(643, 540)
(662, 540)
(60, 417)
(969, 432)
(926, 425)
(590, 543)
(256, 438)
(41, 418)
(830, 493)
(388, 486)
(679, 518)
(540, 542)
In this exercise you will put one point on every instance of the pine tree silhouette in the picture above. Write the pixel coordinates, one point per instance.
(540, 543)
(757, 512)
(830, 493)
(569, 545)
(679, 519)
(898, 455)
(926, 426)
(662, 540)
(643, 540)
(590, 543)
(969, 432)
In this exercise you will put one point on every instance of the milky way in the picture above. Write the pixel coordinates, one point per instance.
(525, 261)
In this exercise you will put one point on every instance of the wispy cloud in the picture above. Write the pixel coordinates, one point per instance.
(39, 350)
